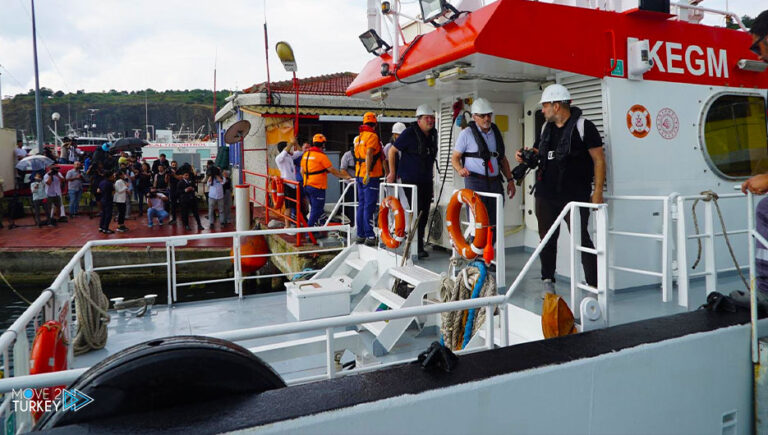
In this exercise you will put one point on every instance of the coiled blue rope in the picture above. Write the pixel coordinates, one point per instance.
(475, 293)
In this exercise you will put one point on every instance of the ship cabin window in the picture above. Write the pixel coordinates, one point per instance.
(735, 136)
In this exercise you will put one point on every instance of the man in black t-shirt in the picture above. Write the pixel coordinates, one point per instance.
(570, 155)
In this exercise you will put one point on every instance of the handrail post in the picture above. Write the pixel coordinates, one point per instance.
(169, 271)
(575, 233)
(504, 313)
(601, 245)
(682, 255)
(173, 269)
(489, 325)
(330, 362)
(709, 248)
(751, 240)
(666, 277)
(237, 265)
(501, 260)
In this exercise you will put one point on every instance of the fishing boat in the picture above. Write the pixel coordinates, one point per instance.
(342, 350)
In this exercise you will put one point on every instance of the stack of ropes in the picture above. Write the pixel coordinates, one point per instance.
(472, 282)
(91, 306)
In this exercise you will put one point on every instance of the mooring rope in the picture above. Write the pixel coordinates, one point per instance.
(454, 322)
(91, 306)
(712, 196)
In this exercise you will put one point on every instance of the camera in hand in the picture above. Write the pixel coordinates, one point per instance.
(54, 169)
(152, 195)
(530, 161)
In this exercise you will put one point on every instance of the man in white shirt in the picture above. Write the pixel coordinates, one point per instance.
(52, 181)
(287, 168)
(19, 152)
(156, 207)
(215, 195)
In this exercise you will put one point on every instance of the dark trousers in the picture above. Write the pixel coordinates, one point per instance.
(424, 201)
(316, 203)
(173, 200)
(120, 213)
(482, 185)
(141, 198)
(761, 252)
(188, 207)
(547, 211)
(367, 196)
(106, 214)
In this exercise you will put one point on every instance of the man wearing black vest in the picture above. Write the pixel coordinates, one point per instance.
(479, 157)
(418, 147)
(570, 155)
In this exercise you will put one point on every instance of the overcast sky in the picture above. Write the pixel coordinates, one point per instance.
(170, 44)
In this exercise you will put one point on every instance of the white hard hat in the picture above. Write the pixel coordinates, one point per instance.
(481, 106)
(553, 93)
(128, 153)
(398, 128)
(425, 109)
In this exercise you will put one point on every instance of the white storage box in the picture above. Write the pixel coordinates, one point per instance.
(318, 298)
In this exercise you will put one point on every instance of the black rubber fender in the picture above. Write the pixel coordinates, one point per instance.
(163, 373)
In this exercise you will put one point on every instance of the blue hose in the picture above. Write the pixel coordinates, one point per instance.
(301, 274)
(475, 293)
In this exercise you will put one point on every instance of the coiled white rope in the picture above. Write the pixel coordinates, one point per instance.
(91, 306)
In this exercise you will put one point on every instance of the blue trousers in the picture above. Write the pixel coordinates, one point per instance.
(316, 203)
(367, 196)
(74, 201)
(761, 252)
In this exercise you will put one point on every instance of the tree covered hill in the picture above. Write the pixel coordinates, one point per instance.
(118, 111)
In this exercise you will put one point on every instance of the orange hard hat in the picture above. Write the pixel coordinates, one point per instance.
(318, 138)
(369, 117)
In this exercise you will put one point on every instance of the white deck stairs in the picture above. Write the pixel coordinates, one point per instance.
(330, 290)
(424, 282)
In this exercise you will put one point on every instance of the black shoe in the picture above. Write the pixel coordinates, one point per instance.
(200, 228)
(370, 241)
(108, 231)
(359, 240)
(172, 221)
(63, 219)
(423, 254)
(122, 229)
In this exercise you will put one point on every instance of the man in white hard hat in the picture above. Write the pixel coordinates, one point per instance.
(417, 146)
(397, 129)
(570, 156)
(479, 157)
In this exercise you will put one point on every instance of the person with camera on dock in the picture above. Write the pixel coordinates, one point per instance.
(570, 155)
(479, 157)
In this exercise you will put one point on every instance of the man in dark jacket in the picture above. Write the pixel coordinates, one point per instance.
(186, 192)
(418, 149)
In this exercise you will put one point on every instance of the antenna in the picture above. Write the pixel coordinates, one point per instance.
(266, 55)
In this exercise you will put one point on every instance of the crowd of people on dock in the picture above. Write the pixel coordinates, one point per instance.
(115, 185)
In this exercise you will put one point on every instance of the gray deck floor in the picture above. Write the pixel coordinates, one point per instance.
(206, 317)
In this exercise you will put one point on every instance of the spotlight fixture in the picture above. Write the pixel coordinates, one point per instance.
(372, 42)
(431, 10)
(451, 74)
(379, 95)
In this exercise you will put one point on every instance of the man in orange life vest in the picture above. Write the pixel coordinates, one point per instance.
(369, 169)
(314, 168)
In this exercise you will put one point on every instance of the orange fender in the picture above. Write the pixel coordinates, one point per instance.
(252, 245)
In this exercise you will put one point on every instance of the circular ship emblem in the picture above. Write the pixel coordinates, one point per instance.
(667, 123)
(639, 121)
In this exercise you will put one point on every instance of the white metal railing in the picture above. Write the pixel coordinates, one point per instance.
(342, 203)
(684, 8)
(409, 204)
(665, 237)
(327, 325)
(707, 237)
(499, 259)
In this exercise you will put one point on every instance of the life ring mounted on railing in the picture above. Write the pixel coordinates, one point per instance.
(49, 354)
(453, 223)
(277, 192)
(392, 239)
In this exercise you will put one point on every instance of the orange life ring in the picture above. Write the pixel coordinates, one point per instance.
(277, 191)
(453, 222)
(49, 354)
(392, 239)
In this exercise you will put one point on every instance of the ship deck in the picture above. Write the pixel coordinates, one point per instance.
(218, 315)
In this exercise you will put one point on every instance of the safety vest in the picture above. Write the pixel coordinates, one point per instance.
(562, 150)
(313, 171)
(367, 135)
(483, 153)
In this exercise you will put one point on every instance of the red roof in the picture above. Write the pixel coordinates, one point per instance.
(329, 84)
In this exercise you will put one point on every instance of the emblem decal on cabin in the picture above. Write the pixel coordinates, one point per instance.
(667, 123)
(639, 121)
